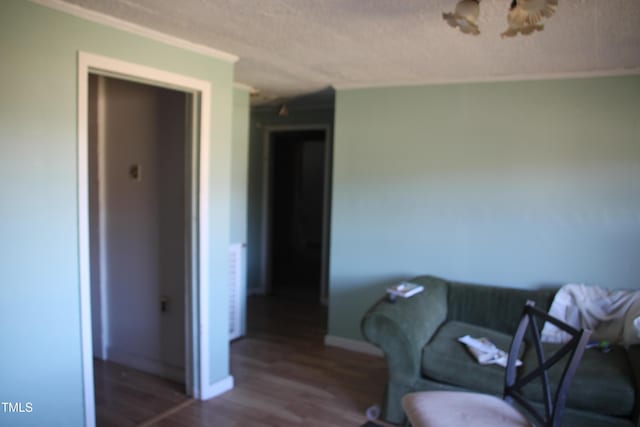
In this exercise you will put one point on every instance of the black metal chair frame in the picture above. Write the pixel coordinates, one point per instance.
(553, 404)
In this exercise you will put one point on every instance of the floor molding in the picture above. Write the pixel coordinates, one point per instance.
(254, 291)
(352, 345)
(145, 364)
(217, 388)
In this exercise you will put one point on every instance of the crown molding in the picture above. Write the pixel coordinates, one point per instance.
(136, 29)
(266, 108)
(252, 90)
(493, 79)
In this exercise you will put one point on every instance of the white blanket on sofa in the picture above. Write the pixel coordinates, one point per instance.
(611, 315)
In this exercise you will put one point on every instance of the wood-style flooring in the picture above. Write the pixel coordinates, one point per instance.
(126, 397)
(284, 376)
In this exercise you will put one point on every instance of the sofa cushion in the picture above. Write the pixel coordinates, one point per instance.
(491, 306)
(446, 360)
(603, 382)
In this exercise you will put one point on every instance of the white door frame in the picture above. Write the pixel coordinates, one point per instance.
(197, 322)
(267, 202)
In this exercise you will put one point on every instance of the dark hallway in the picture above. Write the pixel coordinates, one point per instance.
(297, 186)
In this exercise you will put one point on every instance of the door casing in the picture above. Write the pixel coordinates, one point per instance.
(197, 289)
(267, 203)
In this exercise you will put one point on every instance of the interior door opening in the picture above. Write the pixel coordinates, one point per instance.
(139, 233)
(297, 214)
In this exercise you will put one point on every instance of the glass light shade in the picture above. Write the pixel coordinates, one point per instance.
(465, 16)
(526, 16)
(537, 9)
(468, 10)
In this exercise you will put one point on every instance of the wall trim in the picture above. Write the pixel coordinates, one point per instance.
(197, 325)
(252, 90)
(271, 108)
(352, 345)
(145, 364)
(139, 30)
(102, 221)
(217, 388)
(618, 72)
(84, 261)
(265, 255)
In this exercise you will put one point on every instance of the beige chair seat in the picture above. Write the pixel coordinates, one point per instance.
(456, 409)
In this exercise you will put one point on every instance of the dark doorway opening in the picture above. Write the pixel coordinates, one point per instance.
(297, 213)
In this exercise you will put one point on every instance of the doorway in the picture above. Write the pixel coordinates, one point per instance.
(196, 378)
(297, 224)
(138, 211)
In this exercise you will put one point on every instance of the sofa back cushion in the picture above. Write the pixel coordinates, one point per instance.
(492, 307)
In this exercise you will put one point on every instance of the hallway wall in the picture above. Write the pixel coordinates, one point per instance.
(144, 232)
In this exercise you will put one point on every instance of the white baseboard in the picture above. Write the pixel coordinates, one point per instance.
(217, 388)
(145, 364)
(352, 345)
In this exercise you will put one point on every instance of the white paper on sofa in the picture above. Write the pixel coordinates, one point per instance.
(405, 289)
(486, 352)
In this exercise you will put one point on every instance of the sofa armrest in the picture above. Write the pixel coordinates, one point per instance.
(633, 353)
(402, 328)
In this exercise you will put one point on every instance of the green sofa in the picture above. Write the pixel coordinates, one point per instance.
(419, 335)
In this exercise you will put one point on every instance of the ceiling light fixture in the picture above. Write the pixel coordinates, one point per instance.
(465, 16)
(524, 16)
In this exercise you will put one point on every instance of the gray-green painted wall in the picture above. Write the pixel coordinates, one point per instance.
(40, 348)
(518, 184)
(239, 165)
(262, 119)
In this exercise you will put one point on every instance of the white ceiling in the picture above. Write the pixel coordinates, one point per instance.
(291, 47)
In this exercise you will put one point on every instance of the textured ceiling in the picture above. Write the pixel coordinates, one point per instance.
(291, 47)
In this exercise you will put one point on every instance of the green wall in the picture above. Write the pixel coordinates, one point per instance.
(522, 184)
(239, 165)
(40, 356)
(262, 119)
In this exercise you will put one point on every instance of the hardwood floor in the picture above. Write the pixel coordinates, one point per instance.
(127, 397)
(284, 376)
